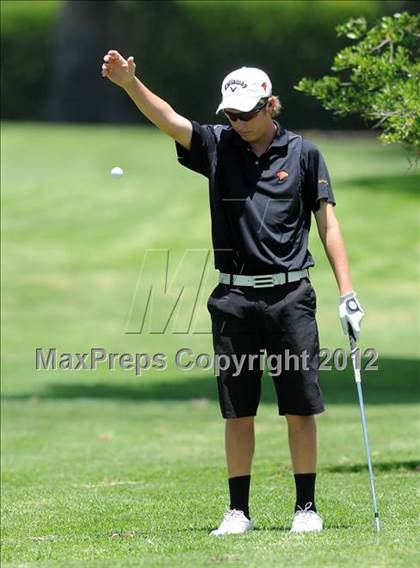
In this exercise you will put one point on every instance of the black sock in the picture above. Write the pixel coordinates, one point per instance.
(305, 490)
(239, 493)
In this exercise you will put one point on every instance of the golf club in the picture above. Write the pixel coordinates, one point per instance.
(358, 380)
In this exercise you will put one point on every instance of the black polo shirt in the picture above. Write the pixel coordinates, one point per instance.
(260, 206)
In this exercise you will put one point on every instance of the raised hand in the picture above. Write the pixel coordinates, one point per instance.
(117, 69)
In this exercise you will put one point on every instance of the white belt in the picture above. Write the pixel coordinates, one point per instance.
(264, 280)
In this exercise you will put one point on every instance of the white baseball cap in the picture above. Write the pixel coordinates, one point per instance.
(243, 88)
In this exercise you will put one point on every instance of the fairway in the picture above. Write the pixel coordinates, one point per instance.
(107, 469)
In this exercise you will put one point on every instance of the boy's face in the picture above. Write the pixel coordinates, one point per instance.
(255, 128)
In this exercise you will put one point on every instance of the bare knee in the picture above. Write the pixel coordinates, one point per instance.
(244, 423)
(300, 422)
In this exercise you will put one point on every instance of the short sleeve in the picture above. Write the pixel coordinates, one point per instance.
(203, 149)
(316, 179)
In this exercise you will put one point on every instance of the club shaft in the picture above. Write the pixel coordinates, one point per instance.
(369, 461)
(358, 380)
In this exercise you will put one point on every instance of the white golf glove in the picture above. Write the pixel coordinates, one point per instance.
(351, 313)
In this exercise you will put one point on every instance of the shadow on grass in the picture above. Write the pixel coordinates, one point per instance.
(407, 182)
(395, 382)
(394, 467)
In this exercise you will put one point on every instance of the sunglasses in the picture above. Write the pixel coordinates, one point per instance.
(246, 116)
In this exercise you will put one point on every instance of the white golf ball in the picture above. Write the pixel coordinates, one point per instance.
(117, 172)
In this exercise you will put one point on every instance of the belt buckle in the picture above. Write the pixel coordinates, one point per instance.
(264, 281)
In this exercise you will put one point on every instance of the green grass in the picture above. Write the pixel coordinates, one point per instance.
(109, 469)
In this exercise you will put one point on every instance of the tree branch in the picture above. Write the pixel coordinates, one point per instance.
(376, 48)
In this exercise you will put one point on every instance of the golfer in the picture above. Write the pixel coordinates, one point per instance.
(265, 182)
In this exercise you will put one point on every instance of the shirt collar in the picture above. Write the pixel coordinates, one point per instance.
(281, 137)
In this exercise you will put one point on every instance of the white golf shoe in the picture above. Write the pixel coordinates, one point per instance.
(306, 520)
(234, 522)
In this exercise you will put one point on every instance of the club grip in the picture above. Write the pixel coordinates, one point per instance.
(352, 338)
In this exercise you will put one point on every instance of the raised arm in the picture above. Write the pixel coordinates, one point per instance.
(122, 72)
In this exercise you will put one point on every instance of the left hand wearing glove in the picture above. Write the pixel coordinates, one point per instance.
(351, 313)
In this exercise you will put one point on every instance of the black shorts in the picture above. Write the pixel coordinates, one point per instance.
(277, 323)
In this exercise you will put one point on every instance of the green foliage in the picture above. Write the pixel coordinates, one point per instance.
(18, 13)
(378, 77)
(268, 20)
(199, 42)
(176, 43)
(27, 29)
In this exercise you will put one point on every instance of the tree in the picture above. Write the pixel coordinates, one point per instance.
(378, 78)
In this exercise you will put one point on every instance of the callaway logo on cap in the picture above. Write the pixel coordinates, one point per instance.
(243, 88)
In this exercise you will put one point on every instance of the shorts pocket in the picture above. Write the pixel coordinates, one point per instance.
(219, 294)
(309, 298)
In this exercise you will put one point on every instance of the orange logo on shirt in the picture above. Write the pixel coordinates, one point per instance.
(282, 176)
